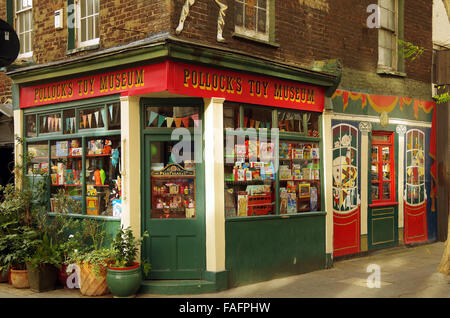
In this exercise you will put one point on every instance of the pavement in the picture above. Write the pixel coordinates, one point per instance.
(402, 272)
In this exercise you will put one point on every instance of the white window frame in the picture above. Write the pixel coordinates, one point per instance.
(420, 184)
(17, 15)
(93, 41)
(393, 33)
(242, 30)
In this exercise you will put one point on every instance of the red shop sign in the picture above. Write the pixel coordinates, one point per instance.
(202, 81)
(182, 79)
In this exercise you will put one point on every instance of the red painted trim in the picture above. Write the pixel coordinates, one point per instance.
(390, 143)
(381, 204)
(135, 265)
(415, 224)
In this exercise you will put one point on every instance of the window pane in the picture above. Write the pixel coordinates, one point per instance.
(250, 17)
(113, 116)
(375, 192)
(262, 21)
(239, 9)
(83, 8)
(386, 191)
(386, 172)
(89, 7)
(69, 121)
(83, 30)
(92, 118)
(374, 172)
(386, 153)
(50, 123)
(262, 3)
(230, 115)
(302, 122)
(39, 158)
(388, 4)
(257, 117)
(31, 125)
(90, 28)
(173, 188)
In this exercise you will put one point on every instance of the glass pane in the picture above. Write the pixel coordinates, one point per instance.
(173, 180)
(31, 125)
(69, 121)
(89, 7)
(388, 4)
(386, 191)
(374, 172)
(239, 9)
(103, 176)
(250, 16)
(262, 21)
(66, 175)
(302, 122)
(299, 174)
(386, 172)
(92, 118)
(50, 123)
(172, 117)
(230, 115)
(83, 30)
(83, 8)
(375, 154)
(385, 153)
(113, 116)
(90, 28)
(257, 117)
(375, 192)
(262, 3)
(38, 153)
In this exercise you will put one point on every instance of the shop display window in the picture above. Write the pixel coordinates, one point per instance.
(257, 117)
(249, 177)
(231, 115)
(299, 175)
(80, 167)
(173, 180)
(415, 167)
(30, 126)
(172, 117)
(299, 122)
(50, 123)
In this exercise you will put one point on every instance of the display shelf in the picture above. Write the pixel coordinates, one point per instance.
(66, 185)
(238, 183)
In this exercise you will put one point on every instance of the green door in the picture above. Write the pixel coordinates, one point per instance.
(173, 209)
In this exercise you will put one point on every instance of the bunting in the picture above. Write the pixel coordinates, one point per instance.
(161, 120)
(177, 122)
(169, 121)
(153, 115)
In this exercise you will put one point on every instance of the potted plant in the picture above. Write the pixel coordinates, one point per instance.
(124, 275)
(43, 266)
(92, 259)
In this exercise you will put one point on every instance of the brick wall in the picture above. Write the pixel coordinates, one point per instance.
(308, 30)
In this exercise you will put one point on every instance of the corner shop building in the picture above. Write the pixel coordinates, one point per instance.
(221, 221)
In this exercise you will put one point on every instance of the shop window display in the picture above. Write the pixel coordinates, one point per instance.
(173, 180)
(249, 178)
(78, 165)
(172, 117)
(299, 177)
(299, 122)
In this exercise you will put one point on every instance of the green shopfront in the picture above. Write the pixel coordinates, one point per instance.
(221, 162)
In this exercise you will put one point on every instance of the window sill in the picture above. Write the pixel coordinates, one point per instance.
(87, 216)
(381, 71)
(83, 48)
(249, 38)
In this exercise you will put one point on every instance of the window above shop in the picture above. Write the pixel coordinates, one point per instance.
(88, 22)
(254, 20)
(23, 15)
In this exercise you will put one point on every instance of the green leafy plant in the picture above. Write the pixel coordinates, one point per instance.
(46, 253)
(125, 247)
(410, 51)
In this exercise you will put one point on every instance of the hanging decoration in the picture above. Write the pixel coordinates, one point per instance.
(161, 120)
(169, 121)
(153, 115)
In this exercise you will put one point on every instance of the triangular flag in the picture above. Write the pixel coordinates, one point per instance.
(96, 114)
(84, 121)
(161, 119)
(185, 121)
(257, 124)
(43, 122)
(90, 120)
(104, 116)
(55, 124)
(169, 121)
(153, 115)
(262, 125)
(111, 111)
(252, 123)
(245, 122)
(60, 124)
(268, 125)
(72, 123)
(195, 119)
(177, 122)
(67, 123)
(49, 123)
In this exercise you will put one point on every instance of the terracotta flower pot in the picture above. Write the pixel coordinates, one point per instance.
(19, 278)
(92, 284)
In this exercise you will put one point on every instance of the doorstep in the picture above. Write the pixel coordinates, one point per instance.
(178, 287)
